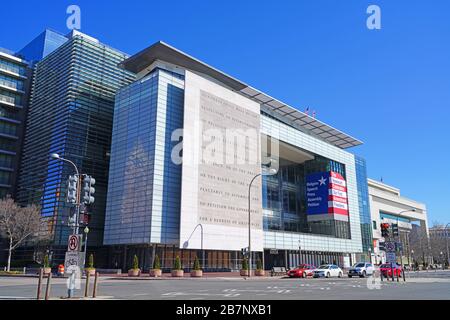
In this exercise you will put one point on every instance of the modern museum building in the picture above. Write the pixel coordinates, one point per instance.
(198, 156)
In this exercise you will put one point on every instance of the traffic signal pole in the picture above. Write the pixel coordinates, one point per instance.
(77, 206)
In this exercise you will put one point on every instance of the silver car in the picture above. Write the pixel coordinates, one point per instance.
(361, 269)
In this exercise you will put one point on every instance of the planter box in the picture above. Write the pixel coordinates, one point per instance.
(91, 272)
(196, 273)
(260, 273)
(244, 273)
(47, 270)
(156, 273)
(134, 272)
(177, 273)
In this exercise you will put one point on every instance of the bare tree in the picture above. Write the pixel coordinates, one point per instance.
(17, 224)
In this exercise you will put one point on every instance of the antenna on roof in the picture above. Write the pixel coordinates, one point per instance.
(381, 179)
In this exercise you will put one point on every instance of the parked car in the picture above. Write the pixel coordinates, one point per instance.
(386, 270)
(302, 271)
(327, 271)
(361, 269)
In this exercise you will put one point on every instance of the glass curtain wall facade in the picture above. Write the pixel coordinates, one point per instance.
(71, 113)
(145, 185)
(284, 199)
(44, 44)
(15, 77)
(364, 208)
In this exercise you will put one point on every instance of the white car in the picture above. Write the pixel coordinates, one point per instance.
(327, 271)
(361, 269)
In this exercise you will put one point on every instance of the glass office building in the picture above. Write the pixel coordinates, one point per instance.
(156, 205)
(44, 44)
(71, 113)
(15, 75)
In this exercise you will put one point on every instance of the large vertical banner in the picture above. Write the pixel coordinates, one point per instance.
(326, 197)
(221, 156)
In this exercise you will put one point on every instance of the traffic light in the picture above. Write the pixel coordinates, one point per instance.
(72, 189)
(88, 190)
(395, 231)
(385, 230)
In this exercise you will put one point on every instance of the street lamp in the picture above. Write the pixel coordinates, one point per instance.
(266, 171)
(186, 244)
(86, 231)
(77, 205)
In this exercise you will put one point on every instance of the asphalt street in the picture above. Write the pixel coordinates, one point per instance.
(431, 285)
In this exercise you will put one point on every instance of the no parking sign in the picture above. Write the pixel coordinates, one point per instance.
(74, 243)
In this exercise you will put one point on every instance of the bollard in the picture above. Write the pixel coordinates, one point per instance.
(94, 293)
(48, 288)
(86, 288)
(71, 286)
(41, 276)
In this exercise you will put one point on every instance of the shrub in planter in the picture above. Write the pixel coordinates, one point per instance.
(135, 271)
(156, 271)
(196, 270)
(245, 268)
(177, 270)
(91, 269)
(47, 268)
(259, 269)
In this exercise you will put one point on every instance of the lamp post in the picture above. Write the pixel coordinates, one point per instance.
(86, 231)
(186, 244)
(265, 172)
(77, 204)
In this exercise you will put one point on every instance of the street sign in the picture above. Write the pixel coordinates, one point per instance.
(391, 257)
(390, 246)
(74, 243)
(73, 260)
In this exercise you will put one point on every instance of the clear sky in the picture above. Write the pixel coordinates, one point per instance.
(390, 88)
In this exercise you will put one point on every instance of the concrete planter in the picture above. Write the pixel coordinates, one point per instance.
(196, 273)
(134, 272)
(47, 270)
(155, 273)
(90, 271)
(244, 273)
(177, 273)
(260, 273)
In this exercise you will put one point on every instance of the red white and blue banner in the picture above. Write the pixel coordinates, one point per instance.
(326, 194)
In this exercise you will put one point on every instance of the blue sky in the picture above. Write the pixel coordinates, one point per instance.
(390, 88)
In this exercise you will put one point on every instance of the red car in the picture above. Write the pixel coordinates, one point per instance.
(302, 271)
(386, 270)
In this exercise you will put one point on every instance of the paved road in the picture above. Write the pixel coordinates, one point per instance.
(419, 287)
